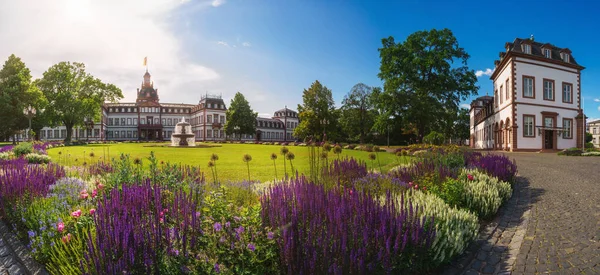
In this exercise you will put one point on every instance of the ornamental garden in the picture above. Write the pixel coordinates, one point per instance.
(297, 208)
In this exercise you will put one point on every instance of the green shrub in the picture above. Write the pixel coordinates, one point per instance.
(483, 194)
(455, 228)
(434, 138)
(37, 158)
(22, 149)
(589, 145)
(571, 152)
(451, 191)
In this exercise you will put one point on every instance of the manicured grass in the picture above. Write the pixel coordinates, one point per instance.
(230, 166)
(5, 143)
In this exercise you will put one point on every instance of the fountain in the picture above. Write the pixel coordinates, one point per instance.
(183, 135)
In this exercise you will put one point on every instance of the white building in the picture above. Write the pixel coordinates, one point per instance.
(147, 119)
(536, 103)
(593, 127)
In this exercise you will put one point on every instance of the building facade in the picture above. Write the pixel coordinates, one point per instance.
(536, 103)
(593, 127)
(147, 119)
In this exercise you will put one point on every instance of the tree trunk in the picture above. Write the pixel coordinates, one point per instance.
(69, 133)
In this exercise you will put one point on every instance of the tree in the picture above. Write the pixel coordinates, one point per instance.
(461, 126)
(241, 119)
(422, 81)
(588, 137)
(317, 114)
(74, 95)
(357, 114)
(16, 92)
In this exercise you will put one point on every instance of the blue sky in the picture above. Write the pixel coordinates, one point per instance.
(272, 50)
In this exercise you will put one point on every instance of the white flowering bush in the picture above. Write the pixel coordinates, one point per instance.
(483, 194)
(455, 228)
(594, 153)
(7, 155)
(37, 158)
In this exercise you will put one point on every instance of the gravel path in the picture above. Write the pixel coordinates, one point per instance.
(551, 225)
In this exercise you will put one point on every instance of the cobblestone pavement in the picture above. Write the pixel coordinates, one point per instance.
(551, 225)
(14, 257)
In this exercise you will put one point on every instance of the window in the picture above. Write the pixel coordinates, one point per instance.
(208, 133)
(134, 134)
(129, 121)
(169, 121)
(567, 93)
(529, 123)
(527, 48)
(142, 121)
(96, 132)
(568, 128)
(116, 134)
(123, 121)
(209, 119)
(548, 122)
(501, 92)
(222, 119)
(216, 118)
(116, 122)
(129, 134)
(496, 98)
(110, 122)
(156, 121)
(548, 89)
(595, 130)
(507, 90)
(135, 121)
(63, 133)
(547, 53)
(164, 121)
(528, 86)
(123, 134)
(81, 133)
(222, 133)
(566, 57)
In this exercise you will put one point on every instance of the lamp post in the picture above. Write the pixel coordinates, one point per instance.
(324, 123)
(236, 131)
(29, 112)
(89, 124)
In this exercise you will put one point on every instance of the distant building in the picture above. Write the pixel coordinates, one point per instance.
(536, 103)
(593, 127)
(147, 119)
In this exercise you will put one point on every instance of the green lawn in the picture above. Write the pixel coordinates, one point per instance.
(230, 165)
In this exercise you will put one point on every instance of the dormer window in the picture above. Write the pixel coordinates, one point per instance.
(565, 57)
(527, 48)
(547, 53)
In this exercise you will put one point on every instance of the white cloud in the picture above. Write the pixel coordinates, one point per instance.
(480, 73)
(598, 108)
(111, 37)
(597, 99)
(216, 3)
(223, 43)
(246, 44)
(465, 105)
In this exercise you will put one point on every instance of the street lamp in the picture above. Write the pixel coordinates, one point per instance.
(324, 124)
(89, 124)
(29, 112)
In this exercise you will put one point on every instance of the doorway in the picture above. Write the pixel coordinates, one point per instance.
(548, 139)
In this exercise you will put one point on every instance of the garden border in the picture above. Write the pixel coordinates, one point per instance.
(14, 256)
(498, 243)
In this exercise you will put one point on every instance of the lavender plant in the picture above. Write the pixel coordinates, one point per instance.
(334, 232)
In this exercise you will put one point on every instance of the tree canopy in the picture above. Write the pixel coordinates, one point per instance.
(425, 78)
(74, 95)
(317, 114)
(16, 93)
(357, 115)
(241, 119)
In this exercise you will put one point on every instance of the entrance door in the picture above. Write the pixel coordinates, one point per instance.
(548, 139)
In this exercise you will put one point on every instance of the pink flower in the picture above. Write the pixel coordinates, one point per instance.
(416, 186)
(470, 177)
(161, 220)
(60, 227)
(92, 211)
(94, 193)
(410, 183)
(100, 186)
(66, 238)
(76, 214)
(424, 188)
(83, 194)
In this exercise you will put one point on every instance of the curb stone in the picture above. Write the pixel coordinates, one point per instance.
(15, 259)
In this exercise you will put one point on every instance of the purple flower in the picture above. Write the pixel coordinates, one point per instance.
(217, 226)
(227, 224)
(217, 269)
(270, 235)
(251, 247)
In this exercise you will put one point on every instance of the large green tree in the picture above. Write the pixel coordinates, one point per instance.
(461, 126)
(317, 114)
(73, 95)
(241, 119)
(357, 114)
(16, 92)
(425, 78)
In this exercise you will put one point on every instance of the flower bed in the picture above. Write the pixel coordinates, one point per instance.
(116, 217)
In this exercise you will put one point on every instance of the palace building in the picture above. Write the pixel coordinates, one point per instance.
(536, 104)
(593, 127)
(148, 119)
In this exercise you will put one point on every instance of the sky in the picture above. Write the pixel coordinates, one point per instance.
(271, 50)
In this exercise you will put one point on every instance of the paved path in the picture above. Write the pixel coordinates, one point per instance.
(15, 259)
(551, 225)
